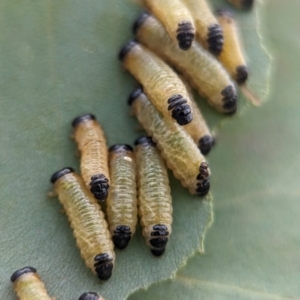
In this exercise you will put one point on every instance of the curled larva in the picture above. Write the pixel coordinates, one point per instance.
(122, 198)
(232, 57)
(154, 196)
(177, 148)
(94, 157)
(87, 221)
(177, 20)
(90, 296)
(200, 68)
(28, 285)
(161, 84)
(208, 30)
(242, 4)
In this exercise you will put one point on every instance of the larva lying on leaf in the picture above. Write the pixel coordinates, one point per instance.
(232, 57)
(122, 198)
(208, 30)
(200, 68)
(87, 221)
(177, 20)
(161, 84)
(28, 285)
(90, 296)
(177, 148)
(94, 157)
(242, 4)
(155, 202)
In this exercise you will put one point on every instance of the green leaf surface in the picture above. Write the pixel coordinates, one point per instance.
(252, 249)
(58, 60)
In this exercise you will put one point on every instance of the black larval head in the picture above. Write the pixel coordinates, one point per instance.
(89, 296)
(83, 118)
(140, 21)
(241, 74)
(205, 144)
(127, 49)
(121, 236)
(120, 147)
(144, 140)
(99, 187)
(215, 39)
(134, 95)
(185, 35)
(20, 272)
(61, 173)
(103, 266)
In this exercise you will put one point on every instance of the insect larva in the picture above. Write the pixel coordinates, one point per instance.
(177, 20)
(232, 57)
(90, 296)
(208, 30)
(160, 82)
(155, 202)
(242, 4)
(122, 198)
(177, 148)
(28, 285)
(87, 221)
(198, 128)
(94, 157)
(199, 67)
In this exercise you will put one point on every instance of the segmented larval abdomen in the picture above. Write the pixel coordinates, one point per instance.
(155, 202)
(177, 147)
(122, 199)
(88, 223)
(94, 157)
(94, 169)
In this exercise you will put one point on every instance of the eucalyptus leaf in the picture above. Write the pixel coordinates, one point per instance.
(58, 60)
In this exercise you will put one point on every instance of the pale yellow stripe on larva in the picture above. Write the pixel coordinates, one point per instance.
(94, 155)
(89, 226)
(155, 202)
(208, 30)
(28, 285)
(201, 69)
(122, 198)
(232, 57)
(177, 147)
(177, 20)
(161, 84)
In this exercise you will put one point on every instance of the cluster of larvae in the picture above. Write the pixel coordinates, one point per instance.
(29, 286)
(135, 181)
(130, 180)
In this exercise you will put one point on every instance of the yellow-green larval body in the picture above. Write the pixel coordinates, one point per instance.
(161, 84)
(154, 196)
(92, 146)
(176, 146)
(87, 221)
(122, 199)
